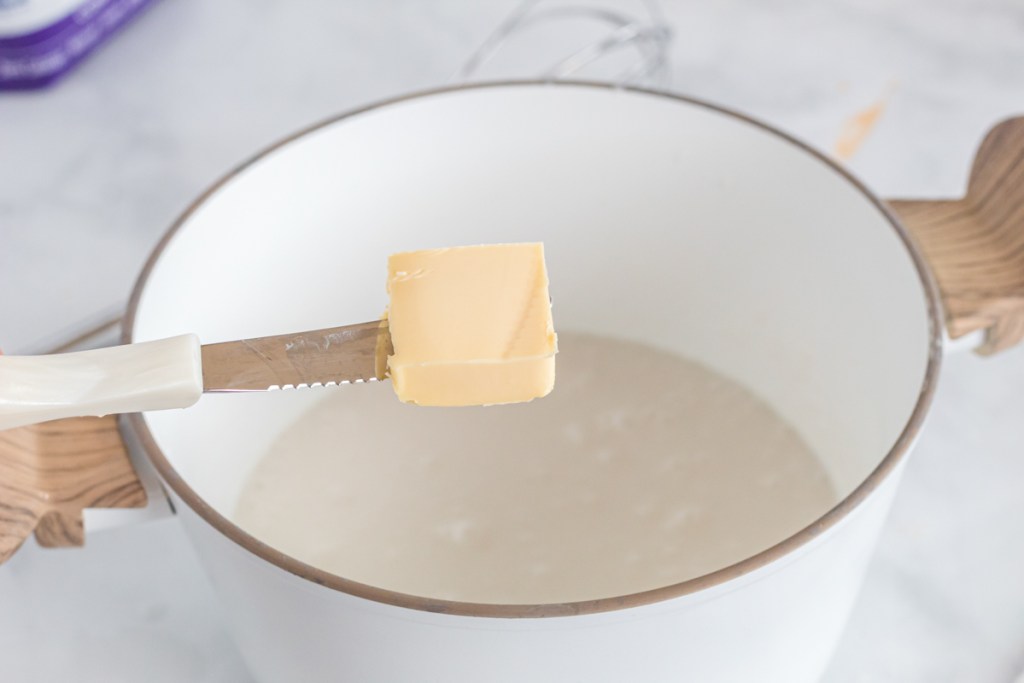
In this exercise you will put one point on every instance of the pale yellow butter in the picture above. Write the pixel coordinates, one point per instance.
(471, 325)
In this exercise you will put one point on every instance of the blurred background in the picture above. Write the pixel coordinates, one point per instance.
(95, 167)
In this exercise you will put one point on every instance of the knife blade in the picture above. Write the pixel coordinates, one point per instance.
(334, 355)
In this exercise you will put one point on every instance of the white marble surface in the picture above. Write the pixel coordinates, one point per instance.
(94, 170)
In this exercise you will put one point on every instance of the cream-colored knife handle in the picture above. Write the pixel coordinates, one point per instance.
(121, 379)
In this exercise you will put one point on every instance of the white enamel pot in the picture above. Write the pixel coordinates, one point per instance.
(664, 219)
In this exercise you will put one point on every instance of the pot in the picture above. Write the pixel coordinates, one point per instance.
(664, 219)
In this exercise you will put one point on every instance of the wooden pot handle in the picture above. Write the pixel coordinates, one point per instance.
(975, 245)
(50, 472)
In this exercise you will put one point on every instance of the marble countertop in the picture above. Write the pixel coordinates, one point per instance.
(93, 171)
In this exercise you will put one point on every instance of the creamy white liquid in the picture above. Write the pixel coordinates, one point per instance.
(640, 470)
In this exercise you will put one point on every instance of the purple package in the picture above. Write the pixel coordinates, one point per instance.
(41, 40)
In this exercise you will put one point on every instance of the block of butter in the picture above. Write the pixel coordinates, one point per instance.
(471, 325)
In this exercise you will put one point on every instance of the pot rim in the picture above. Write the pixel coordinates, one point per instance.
(136, 422)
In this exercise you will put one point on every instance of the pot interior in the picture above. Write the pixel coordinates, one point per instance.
(664, 221)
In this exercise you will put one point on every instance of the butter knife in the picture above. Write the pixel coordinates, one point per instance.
(175, 372)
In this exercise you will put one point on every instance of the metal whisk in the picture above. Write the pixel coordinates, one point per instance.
(648, 35)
